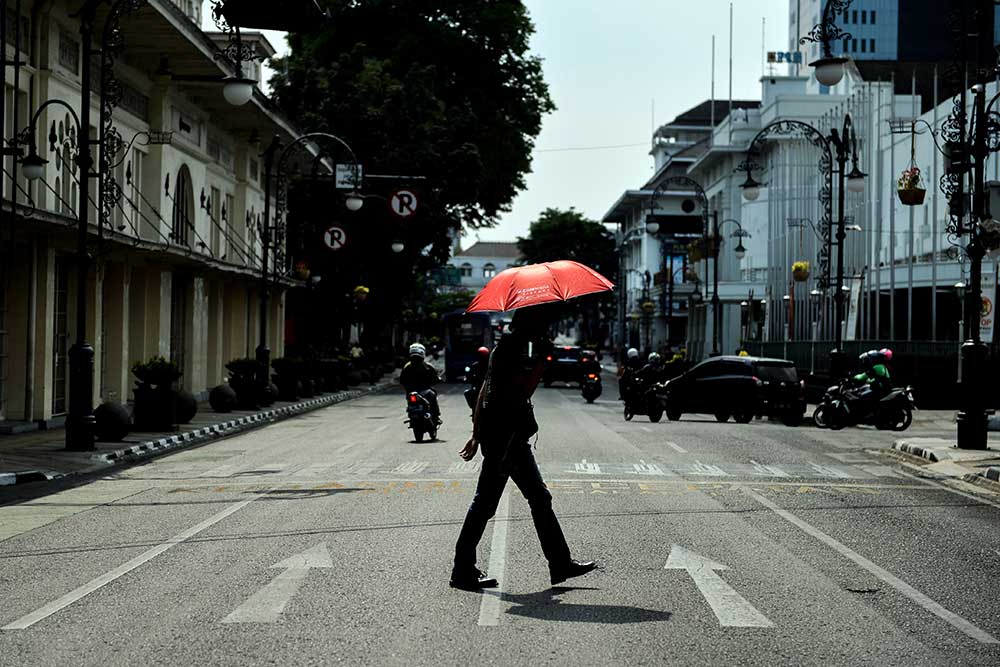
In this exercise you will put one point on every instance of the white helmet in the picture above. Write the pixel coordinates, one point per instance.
(632, 353)
(418, 350)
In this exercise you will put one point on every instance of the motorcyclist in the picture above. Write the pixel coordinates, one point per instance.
(419, 376)
(589, 364)
(477, 375)
(632, 366)
(652, 371)
(874, 382)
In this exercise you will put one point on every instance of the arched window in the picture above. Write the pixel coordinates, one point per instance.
(467, 270)
(183, 218)
(489, 271)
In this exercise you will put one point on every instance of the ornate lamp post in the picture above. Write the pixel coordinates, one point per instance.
(651, 227)
(829, 69)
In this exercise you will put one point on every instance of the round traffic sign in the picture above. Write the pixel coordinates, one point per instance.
(403, 203)
(335, 238)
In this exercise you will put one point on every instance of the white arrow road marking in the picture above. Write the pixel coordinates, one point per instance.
(909, 591)
(104, 579)
(489, 607)
(266, 605)
(674, 446)
(729, 607)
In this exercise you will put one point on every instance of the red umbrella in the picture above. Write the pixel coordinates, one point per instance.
(535, 284)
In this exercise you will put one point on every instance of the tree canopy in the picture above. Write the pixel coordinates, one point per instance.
(558, 234)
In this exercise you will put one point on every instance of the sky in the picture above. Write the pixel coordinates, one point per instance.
(616, 70)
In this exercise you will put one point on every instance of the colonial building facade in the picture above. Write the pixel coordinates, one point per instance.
(176, 251)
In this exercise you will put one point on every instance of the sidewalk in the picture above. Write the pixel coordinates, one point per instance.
(41, 455)
(947, 460)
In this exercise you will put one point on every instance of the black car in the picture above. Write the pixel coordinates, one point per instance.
(562, 365)
(738, 387)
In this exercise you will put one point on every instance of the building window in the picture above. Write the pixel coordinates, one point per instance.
(864, 17)
(854, 46)
(854, 16)
(846, 45)
(863, 45)
(873, 16)
(871, 45)
(489, 271)
(466, 270)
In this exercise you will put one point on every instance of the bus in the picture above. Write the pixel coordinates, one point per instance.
(464, 333)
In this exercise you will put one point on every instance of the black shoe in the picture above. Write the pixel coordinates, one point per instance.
(472, 580)
(574, 568)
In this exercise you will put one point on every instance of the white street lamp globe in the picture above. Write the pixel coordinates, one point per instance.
(740, 251)
(33, 166)
(855, 183)
(751, 193)
(829, 71)
(652, 227)
(398, 247)
(237, 90)
(354, 202)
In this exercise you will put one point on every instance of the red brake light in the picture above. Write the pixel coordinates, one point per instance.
(568, 347)
(548, 358)
(592, 376)
(413, 398)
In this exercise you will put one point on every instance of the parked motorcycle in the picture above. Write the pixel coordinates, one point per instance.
(843, 405)
(644, 400)
(591, 387)
(420, 416)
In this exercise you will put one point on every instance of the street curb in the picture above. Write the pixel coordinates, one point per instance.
(915, 450)
(12, 478)
(992, 473)
(160, 446)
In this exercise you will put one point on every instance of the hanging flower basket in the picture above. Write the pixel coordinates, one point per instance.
(909, 187)
(649, 306)
(800, 271)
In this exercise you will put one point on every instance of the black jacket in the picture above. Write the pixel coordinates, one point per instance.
(418, 376)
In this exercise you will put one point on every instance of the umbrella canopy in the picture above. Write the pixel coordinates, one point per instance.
(535, 284)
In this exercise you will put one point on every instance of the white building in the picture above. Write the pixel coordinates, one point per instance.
(478, 263)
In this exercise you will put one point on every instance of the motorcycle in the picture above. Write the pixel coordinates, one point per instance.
(591, 387)
(843, 406)
(646, 400)
(420, 417)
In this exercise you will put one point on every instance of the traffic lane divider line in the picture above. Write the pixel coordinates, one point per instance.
(99, 582)
(489, 606)
(881, 573)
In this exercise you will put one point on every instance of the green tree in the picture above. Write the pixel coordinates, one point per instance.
(558, 234)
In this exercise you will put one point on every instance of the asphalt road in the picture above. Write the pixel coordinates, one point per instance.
(328, 538)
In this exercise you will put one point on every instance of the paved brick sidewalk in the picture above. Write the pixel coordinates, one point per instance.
(41, 455)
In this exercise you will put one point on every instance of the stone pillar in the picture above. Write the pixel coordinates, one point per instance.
(195, 371)
(234, 317)
(214, 350)
(44, 330)
(117, 373)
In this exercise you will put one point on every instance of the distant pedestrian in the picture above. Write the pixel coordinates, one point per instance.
(502, 425)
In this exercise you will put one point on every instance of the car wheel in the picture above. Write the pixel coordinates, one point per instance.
(628, 414)
(722, 417)
(743, 417)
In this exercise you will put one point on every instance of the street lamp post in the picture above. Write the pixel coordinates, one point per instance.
(841, 146)
(740, 252)
(276, 157)
(651, 227)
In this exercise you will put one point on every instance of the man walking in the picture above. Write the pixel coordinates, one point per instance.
(502, 425)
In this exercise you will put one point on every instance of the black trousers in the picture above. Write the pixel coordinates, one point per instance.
(521, 467)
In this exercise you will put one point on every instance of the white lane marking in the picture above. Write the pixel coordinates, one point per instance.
(345, 448)
(732, 610)
(106, 578)
(699, 468)
(646, 429)
(829, 471)
(908, 591)
(586, 468)
(410, 467)
(266, 605)
(674, 446)
(489, 606)
(643, 468)
(768, 471)
(381, 428)
(464, 467)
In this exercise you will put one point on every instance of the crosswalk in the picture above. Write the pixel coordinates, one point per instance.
(848, 467)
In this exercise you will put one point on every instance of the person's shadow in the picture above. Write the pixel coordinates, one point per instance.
(545, 606)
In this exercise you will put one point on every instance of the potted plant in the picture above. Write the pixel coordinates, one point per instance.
(648, 306)
(909, 187)
(800, 271)
(155, 406)
(243, 374)
(288, 378)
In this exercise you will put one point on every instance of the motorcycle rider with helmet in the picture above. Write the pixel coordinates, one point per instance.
(632, 366)
(874, 382)
(589, 364)
(652, 371)
(419, 376)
